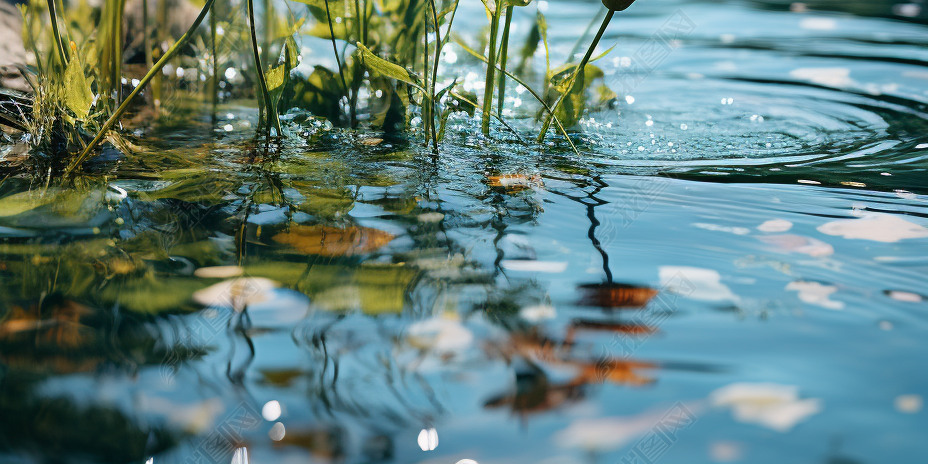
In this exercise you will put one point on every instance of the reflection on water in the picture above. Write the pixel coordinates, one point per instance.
(735, 273)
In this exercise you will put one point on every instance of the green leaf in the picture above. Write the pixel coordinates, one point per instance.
(543, 31)
(275, 77)
(313, 3)
(571, 109)
(77, 95)
(291, 29)
(382, 66)
(24, 201)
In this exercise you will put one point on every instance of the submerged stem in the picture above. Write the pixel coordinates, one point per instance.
(573, 78)
(138, 89)
(491, 72)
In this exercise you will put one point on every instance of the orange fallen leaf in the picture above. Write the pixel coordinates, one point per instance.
(61, 327)
(514, 182)
(625, 329)
(616, 371)
(332, 241)
(616, 296)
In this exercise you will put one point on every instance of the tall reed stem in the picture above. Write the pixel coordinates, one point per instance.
(338, 61)
(214, 82)
(491, 70)
(146, 36)
(361, 30)
(438, 46)
(138, 89)
(573, 78)
(501, 99)
(116, 43)
(62, 51)
(271, 115)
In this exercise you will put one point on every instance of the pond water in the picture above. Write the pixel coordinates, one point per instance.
(733, 271)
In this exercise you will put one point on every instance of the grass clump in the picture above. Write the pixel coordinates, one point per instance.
(386, 73)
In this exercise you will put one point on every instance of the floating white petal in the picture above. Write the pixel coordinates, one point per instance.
(798, 244)
(909, 404)
(775, 225)
(538, 313)
(816, 293)
(442, 334)
(525, 265)
(885, 228)
(718, 228)
(774, 406)
(695, 283)
(219, 272)
(236, 293)
(271, 411)
(428, 439)
(831, 77)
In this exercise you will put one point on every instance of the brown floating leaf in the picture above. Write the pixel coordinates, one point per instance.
(282, 377)
(372, 141)
(61, 327)
(619, 328)
(616, 295)
(333, 242)
(321, 443)
(617, 371)
(514, 182)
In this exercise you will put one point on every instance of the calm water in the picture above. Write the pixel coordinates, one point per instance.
(734, 271)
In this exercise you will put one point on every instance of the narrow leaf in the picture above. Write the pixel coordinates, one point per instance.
(382, 66)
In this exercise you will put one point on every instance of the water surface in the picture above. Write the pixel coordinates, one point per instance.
(733, 271)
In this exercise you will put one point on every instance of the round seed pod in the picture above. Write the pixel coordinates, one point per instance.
(618, 5)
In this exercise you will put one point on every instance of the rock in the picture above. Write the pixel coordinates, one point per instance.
(12, 51)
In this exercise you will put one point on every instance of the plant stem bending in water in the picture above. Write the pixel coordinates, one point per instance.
(578, 71)
(271, 115)
(138, 89)
(534, 94)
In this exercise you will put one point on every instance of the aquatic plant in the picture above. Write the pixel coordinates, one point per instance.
(392, 74)
(578, 73)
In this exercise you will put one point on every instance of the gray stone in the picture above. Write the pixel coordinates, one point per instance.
(12, 51)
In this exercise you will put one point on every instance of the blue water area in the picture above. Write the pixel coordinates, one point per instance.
(732, 269)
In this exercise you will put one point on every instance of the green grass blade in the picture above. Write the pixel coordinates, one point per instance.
(138, 89)
(534, 94)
